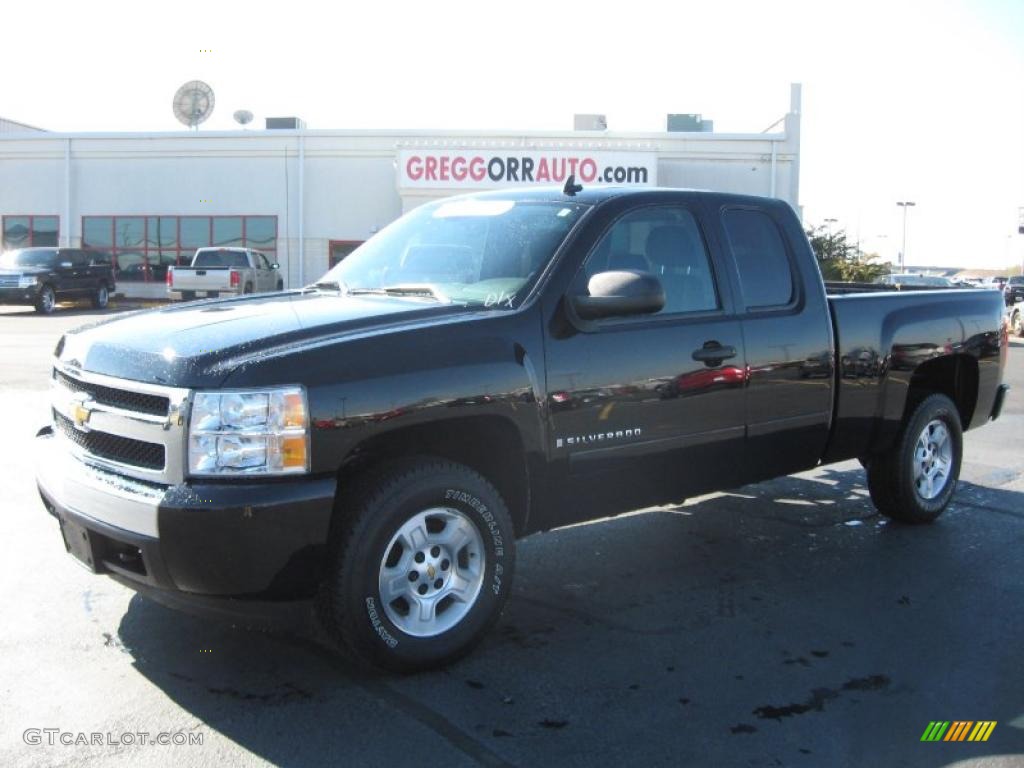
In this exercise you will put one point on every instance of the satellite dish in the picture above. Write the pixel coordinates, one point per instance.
(243, 117)
(193, 103)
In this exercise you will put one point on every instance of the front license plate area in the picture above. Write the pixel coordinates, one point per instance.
(78, 543)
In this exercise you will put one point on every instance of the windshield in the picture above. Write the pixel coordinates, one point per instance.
(220, 259)
(486, 252)
(29, 257)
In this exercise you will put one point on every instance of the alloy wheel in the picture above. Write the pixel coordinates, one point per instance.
(933, 460)
(432, 572)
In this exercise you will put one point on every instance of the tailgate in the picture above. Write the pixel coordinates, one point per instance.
(201, 279)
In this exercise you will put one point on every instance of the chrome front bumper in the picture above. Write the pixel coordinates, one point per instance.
(93, 493)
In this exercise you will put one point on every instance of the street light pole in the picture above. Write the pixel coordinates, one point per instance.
(903, 252)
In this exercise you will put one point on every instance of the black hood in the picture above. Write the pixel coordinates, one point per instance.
(27, 270)
(199, 344)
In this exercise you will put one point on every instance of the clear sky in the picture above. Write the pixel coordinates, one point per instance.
(919, 101)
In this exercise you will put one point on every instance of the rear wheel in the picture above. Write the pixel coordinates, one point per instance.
(1017, 323)
(101, 298)
(46, 302)
(914, 481)
(248, 288)
(280, 285)
(188, 295)
(422, 565)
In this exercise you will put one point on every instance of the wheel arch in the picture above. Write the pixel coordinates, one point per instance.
(955, 376)
(488, 444)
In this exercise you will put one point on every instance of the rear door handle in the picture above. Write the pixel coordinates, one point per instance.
(713, 353)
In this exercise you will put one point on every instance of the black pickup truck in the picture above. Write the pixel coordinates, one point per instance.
(487, 367)
(43, 276)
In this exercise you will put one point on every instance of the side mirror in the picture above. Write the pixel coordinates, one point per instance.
(620, 292)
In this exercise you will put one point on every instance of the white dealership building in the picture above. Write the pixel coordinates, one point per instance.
(308, 197)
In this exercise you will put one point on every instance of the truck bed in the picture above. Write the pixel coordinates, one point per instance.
(886, 337)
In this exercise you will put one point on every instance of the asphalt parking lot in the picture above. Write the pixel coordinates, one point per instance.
(780, 624)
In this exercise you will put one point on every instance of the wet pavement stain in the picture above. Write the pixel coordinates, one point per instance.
(743, 728)
(553, 724)
(870, 683)
(290, 693)
(819, 696)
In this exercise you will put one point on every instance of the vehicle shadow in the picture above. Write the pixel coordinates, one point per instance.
(783, 619)
(67, 309)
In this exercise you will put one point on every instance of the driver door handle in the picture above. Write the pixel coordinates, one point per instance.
(713, 353)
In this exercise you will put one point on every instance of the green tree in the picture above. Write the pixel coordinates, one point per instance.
(841, 261)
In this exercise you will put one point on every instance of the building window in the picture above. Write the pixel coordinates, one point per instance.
(30, 231)
(144, 247)
(339, 249)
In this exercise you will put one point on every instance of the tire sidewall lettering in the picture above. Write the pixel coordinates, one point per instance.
(491, 523)
(376, 621)
(381, 627)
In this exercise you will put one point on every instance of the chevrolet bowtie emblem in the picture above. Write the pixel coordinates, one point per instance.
(430, 571)
(81, 410)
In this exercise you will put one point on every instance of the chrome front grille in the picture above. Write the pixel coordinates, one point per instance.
(8, 281)
(128, 427)
(112, 447)
(157, 405)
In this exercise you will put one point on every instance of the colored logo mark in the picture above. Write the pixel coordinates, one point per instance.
(958, 730)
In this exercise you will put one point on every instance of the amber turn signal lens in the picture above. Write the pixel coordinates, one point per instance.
(294, 410)
(293, 452)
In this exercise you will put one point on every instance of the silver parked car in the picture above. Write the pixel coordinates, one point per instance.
(224, 270)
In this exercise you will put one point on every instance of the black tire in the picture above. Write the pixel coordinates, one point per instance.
(46, 302)
(188, 295)
(247, 288)
(363, 543)
(891, 478)
(280, 285)
(1017, 323)
(101, 298)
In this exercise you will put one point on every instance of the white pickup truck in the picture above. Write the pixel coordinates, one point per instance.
(224, 270)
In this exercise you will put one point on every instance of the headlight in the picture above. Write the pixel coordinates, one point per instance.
(262, 432)
(27, 281)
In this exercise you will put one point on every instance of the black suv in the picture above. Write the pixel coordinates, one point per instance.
(1013, 291)
(43, 276)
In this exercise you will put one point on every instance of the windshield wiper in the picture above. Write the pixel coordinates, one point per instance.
(328, 285)
(409, 289)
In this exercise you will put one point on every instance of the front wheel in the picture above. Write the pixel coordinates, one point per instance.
(1018, 323)
(422, 564)
(101, 298)
(914, 481)
(46, 302)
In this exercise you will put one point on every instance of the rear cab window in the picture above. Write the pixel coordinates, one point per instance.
(221, 259)
(765, 269)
